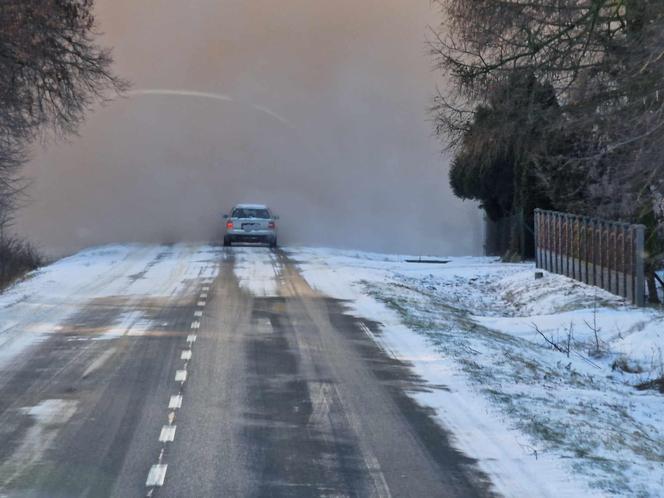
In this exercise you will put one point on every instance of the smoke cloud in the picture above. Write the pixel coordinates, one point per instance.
(318, 109)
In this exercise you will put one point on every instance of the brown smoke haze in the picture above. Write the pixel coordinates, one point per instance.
(328, 124)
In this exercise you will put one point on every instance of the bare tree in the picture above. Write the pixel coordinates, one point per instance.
(51, 72)
(51, 68)
(605, 61)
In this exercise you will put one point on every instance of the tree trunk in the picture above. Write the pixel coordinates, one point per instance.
(653, 297)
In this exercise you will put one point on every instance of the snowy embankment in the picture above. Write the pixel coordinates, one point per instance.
(41, 303)
(540, 421)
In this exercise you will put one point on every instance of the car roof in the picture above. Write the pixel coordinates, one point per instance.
(251, 206)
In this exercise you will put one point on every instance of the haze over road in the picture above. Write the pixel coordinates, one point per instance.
(348, 161)
(194, 371)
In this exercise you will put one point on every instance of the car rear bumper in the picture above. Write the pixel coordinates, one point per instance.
(258, 236)
(251, 233)
(251, 238)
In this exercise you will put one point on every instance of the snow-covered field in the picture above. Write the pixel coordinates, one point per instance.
(540, 421)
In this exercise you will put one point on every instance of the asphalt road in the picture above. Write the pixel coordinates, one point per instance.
(231, 395)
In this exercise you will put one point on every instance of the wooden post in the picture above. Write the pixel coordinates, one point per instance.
(640, 282)
(538, 242)
(594, 250)
(600, 249)
(623, 266)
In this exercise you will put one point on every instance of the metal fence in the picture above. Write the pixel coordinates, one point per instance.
(603, 253)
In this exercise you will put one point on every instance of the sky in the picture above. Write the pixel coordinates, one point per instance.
(319, 109)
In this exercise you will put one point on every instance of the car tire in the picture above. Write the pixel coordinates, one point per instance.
(273, 243)
(227, 242)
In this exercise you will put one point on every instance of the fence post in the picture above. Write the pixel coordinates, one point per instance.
(586, 249)
(522, 234)
(555, 251)
(538, 241)
(568, 243)
(593, 227)
(639, 280)
(600, 247)
(549, 241)
(623, 264)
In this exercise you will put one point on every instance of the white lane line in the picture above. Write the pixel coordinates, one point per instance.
(186, 354)
(175, 402)
(191, 338)
(180, 375)
(203, 295)
(156, 475)
(206, 288)
(196, 325)
(207, 281)
(200, 303)
(167, 434)
(198, 314)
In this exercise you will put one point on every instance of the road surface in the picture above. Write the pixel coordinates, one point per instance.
(230, 378)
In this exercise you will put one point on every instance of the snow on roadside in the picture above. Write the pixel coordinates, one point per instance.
(539, 423)
(556, 305)
(44, 300)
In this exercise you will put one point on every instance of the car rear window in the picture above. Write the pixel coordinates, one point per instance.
(251, 213)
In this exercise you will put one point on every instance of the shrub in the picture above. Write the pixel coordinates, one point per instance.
(17, 257)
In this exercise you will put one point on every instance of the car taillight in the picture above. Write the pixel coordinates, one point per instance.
(271, 225)
(229, 225)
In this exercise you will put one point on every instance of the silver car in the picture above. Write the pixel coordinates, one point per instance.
(251, 223)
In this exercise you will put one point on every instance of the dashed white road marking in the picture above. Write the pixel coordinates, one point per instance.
(167, 434)
(156, 475)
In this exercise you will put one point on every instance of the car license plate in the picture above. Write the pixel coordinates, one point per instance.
(248, 227)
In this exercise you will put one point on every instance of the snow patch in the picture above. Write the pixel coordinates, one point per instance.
(52, 411)
(257, 270)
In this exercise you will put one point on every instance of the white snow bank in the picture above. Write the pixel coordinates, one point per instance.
(555, 304)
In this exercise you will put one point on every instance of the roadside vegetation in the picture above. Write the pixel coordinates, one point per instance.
(51, 73)
(556, 105)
